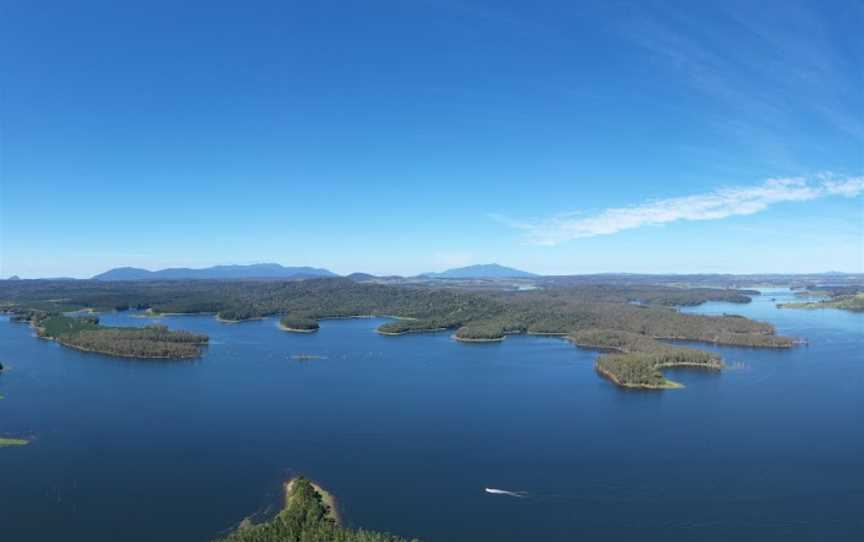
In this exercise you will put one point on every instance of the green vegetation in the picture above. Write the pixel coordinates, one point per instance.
(633, 371)
(13, 442)
(85, 333)
(483, 332)
(638, 359)
(54, 326)
(147, 342)
(561, 308)
(299, 323)
(853, 302)
(308, 516)
(646, 294)
(413, 325)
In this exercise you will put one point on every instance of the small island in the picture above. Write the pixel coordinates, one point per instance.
(310, 514)
(298, 324)
(4, 442)
(307, 357)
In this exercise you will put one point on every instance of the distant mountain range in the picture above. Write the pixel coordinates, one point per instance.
(254, 271)
(484, 271)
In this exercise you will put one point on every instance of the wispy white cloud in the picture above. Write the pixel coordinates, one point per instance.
(715, 205)
(768, 75)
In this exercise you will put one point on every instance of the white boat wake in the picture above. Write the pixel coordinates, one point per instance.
(492, 490)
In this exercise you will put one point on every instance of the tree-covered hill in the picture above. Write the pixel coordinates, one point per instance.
(305, 518)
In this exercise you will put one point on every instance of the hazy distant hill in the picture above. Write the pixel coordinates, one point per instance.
(361, 276)
(254, 271)
(484, 271)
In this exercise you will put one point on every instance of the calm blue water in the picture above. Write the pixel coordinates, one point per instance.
(407, 431)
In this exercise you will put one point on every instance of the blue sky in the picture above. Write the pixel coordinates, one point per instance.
(410, 136)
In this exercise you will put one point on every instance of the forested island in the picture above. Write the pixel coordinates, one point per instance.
(87, 334)
(626, 318)
(846, 302)
(298, 324)
(309, 516)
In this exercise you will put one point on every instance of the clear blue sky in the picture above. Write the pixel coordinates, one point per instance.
(410, 136)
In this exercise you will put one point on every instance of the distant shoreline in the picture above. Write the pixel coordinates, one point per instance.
(117, 355)
(150, 313)
(470, 340)
(296, 330)
(410, 331)
(227, 321)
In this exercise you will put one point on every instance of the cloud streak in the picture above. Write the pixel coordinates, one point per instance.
(768, 76)
(715, 205)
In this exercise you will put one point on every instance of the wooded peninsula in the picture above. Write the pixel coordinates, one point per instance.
(309, 516)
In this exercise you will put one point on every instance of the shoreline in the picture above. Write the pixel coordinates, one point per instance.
(227, 321)
(736, 345)
(149, 313)
(295, 330)
(127, 356)
(669, 385)
(410, 331)
(41, 330)
(111, 354)
(793, 344)
(470, 340)
(708, 366)
(367, 317)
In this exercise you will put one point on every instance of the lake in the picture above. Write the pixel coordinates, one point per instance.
(408, 431)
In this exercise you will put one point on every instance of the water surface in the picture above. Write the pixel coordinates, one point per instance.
(408, 431)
